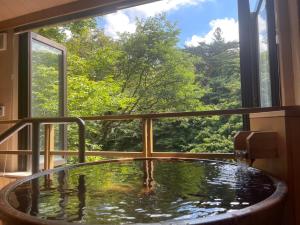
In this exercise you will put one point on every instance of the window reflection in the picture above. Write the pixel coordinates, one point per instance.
(263, 54)
(46, 96)
(45, 80)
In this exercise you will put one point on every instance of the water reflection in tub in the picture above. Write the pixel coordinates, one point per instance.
(141, 191)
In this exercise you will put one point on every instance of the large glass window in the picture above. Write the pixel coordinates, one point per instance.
(156, 58)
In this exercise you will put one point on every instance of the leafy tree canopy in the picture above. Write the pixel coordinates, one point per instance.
(146, 71)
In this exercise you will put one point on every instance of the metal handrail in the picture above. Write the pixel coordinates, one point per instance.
(35, 127)
(12, 130)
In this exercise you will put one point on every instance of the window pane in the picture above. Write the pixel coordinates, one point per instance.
(264, 64)
(45, 80)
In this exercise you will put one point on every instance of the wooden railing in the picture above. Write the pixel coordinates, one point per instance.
(147, 135)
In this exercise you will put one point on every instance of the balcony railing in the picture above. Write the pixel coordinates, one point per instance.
(147, 135)
(35, 124)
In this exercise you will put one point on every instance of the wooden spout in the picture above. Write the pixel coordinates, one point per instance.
(252, 145)
(240, 140)
(262, 145)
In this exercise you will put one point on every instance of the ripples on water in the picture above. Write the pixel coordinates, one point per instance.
(143, 191)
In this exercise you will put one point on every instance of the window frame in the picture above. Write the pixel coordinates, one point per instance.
(25, 89)
(249, 53)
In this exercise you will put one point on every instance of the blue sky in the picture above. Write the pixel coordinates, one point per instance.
(197, 19)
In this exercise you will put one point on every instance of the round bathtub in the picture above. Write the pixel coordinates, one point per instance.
(145, 191)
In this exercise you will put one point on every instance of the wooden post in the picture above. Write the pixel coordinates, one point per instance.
(144, 137)
(35, 166)
(49, 146)
(149, 138)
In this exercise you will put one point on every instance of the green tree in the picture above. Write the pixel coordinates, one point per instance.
(158, 74)
(218, 77)
(219, 72)
(145, 72)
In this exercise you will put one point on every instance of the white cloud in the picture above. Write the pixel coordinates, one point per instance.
(117, 23)
(124, 20)
(229, 27)
(262, 24)
(155, 8)
(262, 34)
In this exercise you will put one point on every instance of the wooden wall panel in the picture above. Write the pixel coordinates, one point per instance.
(8, 97)
(286, 166)
(293, 149)
(289, 50)
(295, 42)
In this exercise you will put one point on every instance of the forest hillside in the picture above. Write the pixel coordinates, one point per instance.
(146, 72)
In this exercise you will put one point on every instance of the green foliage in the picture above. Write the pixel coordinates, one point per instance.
(95, 97)
(156, 73)
(45, 83)
(53, 33)
(146, 72)
(219, 72)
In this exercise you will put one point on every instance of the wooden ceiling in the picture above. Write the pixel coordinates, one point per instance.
(14, 8)
(25, 15)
